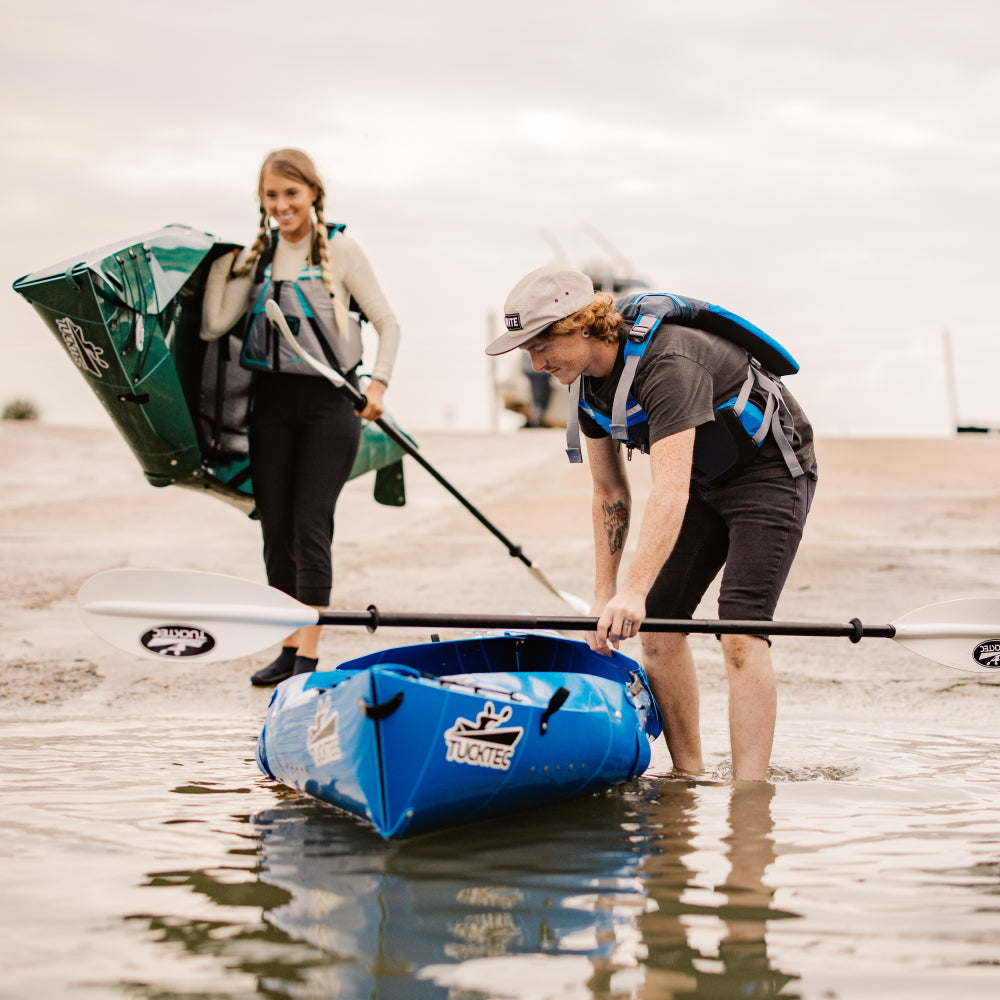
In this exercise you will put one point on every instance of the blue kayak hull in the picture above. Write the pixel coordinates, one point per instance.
(425, 737)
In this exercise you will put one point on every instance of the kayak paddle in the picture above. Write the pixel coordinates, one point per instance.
(211, 616)
(277, 317)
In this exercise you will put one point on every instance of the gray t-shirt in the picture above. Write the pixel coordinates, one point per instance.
(681, 378)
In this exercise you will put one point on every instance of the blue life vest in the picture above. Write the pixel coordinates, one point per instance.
(308, 307)
(730, 441)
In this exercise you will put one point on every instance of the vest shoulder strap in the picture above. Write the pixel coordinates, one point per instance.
(573, 451)
(669, 308)
(264, 261)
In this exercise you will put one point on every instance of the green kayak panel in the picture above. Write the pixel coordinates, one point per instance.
(128, 316)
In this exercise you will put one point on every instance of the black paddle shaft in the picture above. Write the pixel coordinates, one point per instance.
(372, 618)
(361, 401)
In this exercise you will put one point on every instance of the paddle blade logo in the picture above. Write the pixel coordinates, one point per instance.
(987, 654)
(485, 742)
(178, 640)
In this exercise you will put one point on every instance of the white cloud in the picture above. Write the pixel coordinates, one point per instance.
(825, 168)
(863, 127)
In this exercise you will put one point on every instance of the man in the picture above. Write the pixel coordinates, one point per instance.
(733, 476)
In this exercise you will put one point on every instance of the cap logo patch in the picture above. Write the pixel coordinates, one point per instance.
(513, 321)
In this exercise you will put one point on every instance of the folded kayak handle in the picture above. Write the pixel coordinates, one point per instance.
(555, 703)
(383, 710)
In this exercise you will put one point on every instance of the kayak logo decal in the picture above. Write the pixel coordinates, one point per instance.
(178, 640)
(86, 355)
(987, 654)
(485, 742)
(323, 740)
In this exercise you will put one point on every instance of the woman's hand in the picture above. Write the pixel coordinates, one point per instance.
(375, 391)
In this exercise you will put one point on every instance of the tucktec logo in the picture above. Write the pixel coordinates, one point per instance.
(323, 740)
(987, 654)
(177, 640)
(485, 742)
(85, 355)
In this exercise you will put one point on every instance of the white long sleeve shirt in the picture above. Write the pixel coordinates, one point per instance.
(226, 299)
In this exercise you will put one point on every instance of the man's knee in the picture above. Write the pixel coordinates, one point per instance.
(663, 646)
(740, 651)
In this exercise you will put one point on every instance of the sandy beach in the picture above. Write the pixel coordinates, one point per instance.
(148, 854)
(896, 525)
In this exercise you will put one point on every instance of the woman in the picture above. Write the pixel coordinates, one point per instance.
(303, 432)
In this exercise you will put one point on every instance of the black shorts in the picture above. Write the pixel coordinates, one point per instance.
(753, 530)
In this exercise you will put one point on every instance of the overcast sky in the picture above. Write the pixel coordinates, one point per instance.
(829, 169)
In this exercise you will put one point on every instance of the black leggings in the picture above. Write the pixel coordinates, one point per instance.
(304, 437)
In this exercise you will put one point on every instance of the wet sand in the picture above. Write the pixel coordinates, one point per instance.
(896, 525)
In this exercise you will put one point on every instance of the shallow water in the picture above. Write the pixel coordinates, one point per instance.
(152, 860)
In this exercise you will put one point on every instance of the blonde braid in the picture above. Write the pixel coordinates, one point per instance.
(321, 249)
(321, 246)
(260, 244)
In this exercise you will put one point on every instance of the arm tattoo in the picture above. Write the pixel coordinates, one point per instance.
(616, 516)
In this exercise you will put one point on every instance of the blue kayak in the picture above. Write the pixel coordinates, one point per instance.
(436, 735)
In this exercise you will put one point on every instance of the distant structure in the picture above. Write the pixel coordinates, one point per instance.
(614, 272)
(951, 384)
(539, 398)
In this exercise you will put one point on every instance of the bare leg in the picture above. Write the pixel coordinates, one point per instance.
(674, 682)
(753, 701)
(306, 639)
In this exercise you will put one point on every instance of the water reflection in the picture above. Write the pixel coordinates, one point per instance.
(706, 938)
(397, 918)
(608, 896)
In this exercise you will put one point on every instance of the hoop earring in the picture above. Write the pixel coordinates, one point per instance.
(585, 333)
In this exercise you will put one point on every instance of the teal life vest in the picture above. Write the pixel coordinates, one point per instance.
(308, 307)
(732, 440)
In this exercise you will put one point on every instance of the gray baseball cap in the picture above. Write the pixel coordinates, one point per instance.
(542, 297)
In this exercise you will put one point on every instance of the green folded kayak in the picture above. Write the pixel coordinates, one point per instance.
(128, 316)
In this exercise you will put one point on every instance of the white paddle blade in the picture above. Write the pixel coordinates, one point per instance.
(963, 634)
(578, 604)
(184, 615)
(277, 317)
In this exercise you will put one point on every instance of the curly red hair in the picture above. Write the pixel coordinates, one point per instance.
(600, 319)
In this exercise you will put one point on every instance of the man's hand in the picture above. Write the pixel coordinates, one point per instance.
(619, 619)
